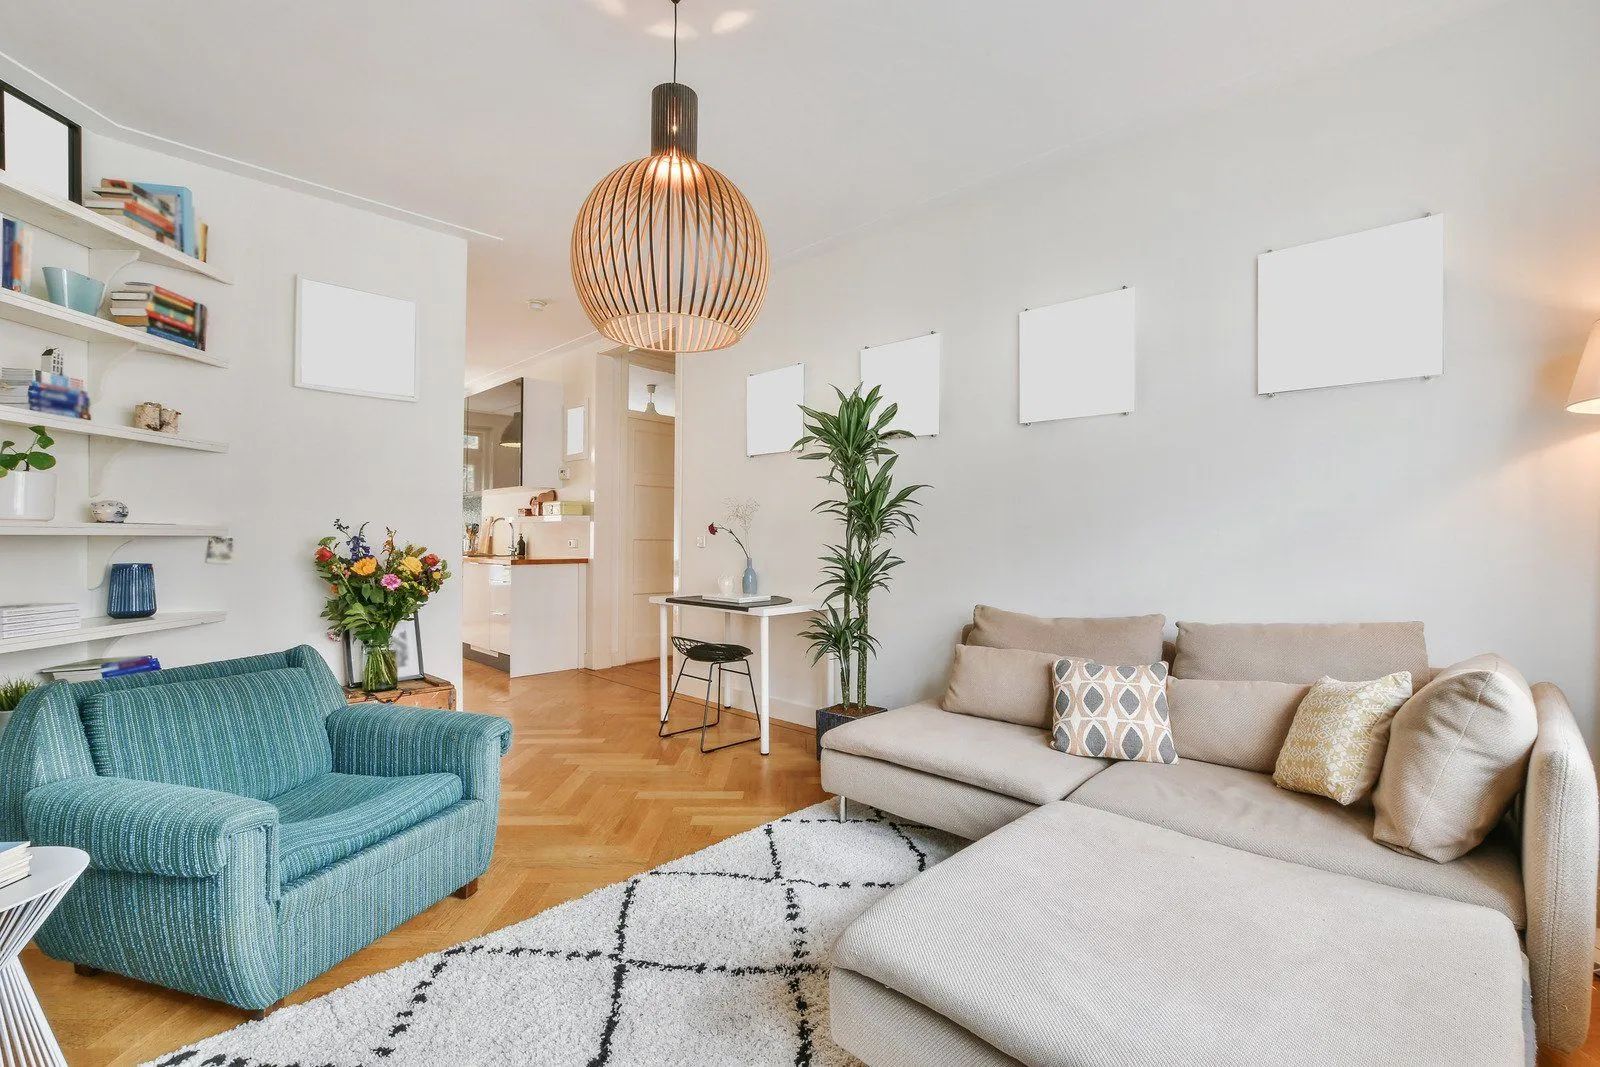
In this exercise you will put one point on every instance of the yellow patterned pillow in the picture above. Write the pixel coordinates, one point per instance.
(1336, 744)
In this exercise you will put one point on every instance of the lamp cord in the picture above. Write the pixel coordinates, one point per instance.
(674, 40)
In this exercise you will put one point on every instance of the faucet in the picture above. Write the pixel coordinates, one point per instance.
(500, 518)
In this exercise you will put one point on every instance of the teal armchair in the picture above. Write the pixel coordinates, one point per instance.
(247, 829)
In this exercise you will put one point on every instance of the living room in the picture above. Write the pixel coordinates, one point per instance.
(1198, 395)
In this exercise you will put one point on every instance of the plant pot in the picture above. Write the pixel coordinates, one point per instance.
(28, 495)
(380, 670)
(838, 715)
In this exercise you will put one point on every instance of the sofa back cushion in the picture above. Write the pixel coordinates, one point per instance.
(1458, 753)
(256, 735)
(1235, 724)
(1007, 684)
(1300, 652)
(1126, 639)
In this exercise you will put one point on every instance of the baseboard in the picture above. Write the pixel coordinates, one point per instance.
(498, 660)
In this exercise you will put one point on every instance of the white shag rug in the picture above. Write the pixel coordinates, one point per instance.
(718, 958)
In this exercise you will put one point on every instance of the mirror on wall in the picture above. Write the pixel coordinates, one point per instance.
(492, 439)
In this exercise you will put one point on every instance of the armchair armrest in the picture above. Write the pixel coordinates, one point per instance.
(384, 739)
(147, 827)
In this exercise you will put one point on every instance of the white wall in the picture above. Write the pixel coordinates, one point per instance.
(1469, 502)
(298, 460)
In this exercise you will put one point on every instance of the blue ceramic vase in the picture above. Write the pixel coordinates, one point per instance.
(131, 591)
(751, 580)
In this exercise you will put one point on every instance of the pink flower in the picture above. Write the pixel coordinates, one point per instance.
(390, 582)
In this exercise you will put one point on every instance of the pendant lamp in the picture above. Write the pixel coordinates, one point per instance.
(667, 254)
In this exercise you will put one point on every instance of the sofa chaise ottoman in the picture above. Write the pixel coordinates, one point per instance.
(1233, 690)
(1140, 944)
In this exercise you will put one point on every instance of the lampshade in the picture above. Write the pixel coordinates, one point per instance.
(1585, 395)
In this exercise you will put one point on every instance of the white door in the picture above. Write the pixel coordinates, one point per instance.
(647, 538)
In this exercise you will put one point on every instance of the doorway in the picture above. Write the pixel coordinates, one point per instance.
(649, 512)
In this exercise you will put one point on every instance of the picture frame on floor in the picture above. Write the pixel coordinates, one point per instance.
(407, 646)
(39, 146)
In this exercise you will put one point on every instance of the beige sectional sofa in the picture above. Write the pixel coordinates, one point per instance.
(1120, 912)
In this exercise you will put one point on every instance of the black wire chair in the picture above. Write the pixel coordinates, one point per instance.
(717, 658)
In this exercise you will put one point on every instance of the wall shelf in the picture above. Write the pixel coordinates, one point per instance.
(64, 322)
(106, 629)
(82, 226)
(125, 530)
(91, 428)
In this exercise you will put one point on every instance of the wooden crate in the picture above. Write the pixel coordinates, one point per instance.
(426, 692)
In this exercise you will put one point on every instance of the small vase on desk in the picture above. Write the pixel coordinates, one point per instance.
(751, 581)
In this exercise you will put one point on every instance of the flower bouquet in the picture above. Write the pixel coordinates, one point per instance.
(370, 593)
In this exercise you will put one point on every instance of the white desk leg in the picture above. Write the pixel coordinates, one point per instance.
(766, 694)
(666, 663)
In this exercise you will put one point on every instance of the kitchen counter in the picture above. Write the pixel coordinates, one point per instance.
(514, 561)
(525, 616)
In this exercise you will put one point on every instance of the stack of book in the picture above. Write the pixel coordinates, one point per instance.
(32, 620)
(90, 670)
(53, 394)
(15, 858)
(16, 255)
(161, 312)
(136, 207)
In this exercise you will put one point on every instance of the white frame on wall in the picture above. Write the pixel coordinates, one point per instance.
(322, 358)
(909, 373)
(582, 449)
(1076, 359)
(772, 418)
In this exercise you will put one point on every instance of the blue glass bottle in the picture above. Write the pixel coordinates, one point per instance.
(131, 591)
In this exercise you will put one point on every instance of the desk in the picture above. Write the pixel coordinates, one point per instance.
(763, 617)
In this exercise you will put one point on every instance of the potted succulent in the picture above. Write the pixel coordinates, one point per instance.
(27, 480)
(853, 442)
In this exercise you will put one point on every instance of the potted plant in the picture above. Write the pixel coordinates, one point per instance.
(853, 442)
(370, 593)
(27, 480)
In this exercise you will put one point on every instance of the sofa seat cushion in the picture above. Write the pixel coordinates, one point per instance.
(1002, 757)
(1244, 810)
(337, 815)
(1077, 937)
(254, 735)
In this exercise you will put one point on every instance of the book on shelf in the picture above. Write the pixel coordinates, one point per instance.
(16, 857)
(161, 312)
(35, 611)
(180, 204)
(138, 208)
(90, 670)
(16, 255)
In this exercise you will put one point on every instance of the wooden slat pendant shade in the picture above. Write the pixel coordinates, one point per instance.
(667, 254)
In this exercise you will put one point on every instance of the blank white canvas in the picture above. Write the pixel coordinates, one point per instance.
(1367, 307)
(348, 341)
(772, 419)
(1076, 358)
(36, 148)
(908, 372)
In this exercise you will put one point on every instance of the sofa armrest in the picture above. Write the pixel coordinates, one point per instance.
(148, 827)
(385, 739)
(1560, 843)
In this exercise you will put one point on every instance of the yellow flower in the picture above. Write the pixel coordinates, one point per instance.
(412, 564)
(364, 566)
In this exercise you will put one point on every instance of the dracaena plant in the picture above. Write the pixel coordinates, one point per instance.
(853, 442)
(33, 457)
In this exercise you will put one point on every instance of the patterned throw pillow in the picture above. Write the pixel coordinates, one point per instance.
(1112, 712)
(1340, 732)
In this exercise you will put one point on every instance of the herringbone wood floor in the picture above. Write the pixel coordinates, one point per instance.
(591, 797)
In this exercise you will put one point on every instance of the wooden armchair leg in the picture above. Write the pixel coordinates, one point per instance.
(86, 970)
(467, 890)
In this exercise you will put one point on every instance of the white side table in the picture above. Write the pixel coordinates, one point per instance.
(25, 1037)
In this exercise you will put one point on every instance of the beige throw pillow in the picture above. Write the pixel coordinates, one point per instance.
(1457, 758)
(1008, 684)
(1129, 639)
(1235, 724)
(1300, 652)
(1112, 712)
(1340, 731)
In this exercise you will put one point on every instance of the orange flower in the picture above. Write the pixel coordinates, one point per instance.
(333, 589)
(365, 566)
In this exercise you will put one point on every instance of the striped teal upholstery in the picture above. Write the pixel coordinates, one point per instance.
(337, 815)
(256, 735)
(228, 895)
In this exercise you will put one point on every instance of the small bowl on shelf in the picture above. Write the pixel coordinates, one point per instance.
(72, 290)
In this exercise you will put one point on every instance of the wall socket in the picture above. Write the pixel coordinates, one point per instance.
(572, 542)
(700, 542)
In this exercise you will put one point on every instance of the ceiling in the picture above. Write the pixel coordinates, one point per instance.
(829, 114)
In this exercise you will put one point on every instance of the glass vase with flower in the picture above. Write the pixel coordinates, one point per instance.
(372, 592)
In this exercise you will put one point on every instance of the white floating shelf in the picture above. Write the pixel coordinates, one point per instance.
(90, 428)
(64, 322)
(105, 629)
(109, 529)
(82, 226)
(555, 518)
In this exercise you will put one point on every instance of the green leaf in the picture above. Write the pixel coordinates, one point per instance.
(41, 461)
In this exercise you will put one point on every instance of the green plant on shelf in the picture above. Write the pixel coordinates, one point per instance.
(12, 690)
(34, 457)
